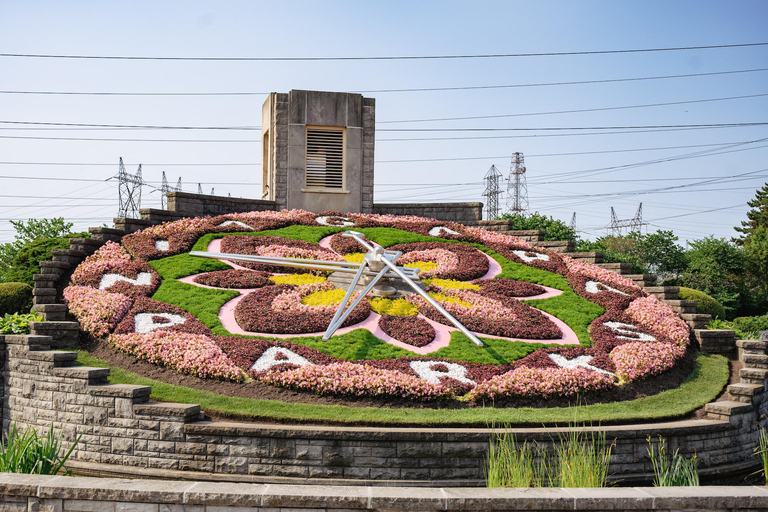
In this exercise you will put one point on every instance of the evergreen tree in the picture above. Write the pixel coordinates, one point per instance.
(757, 216)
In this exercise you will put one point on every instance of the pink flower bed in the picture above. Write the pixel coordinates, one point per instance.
(541, 383)
(180, 235)
(635, 360)
(602, 275)
(190, 354)
(355, 380)
(98, 312)
(660, 319)
(454, 261)
(276, 246)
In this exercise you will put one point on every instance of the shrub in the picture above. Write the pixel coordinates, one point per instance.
(751, 323)
(18, 323)
(15, 298)
(705, 304)
(26, 262)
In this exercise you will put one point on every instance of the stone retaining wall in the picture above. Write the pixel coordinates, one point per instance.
(469, 214)
(120, 426)
(33, 493)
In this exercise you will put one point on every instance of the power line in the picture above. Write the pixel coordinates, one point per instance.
(124, 140)
(399, 57)
(564, 128)
(581, 110)
(46, 178)
(379, 91)
(143, 127)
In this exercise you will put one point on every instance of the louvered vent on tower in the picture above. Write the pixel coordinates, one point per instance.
(325, 158)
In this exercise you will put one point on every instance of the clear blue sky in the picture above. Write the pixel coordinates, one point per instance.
(450, 170)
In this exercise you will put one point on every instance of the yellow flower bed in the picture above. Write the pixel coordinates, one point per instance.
(396, 307)
(439, 297)
(451, 284)
(324, 298)
(355, 257)
(297, 279)
(423, 266)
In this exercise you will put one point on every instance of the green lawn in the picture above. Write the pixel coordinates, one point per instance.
(705, 383)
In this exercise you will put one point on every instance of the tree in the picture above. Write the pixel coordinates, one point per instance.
(757, 216)
(26, 232)
(756, 249)
(553, 229)
(717, 268)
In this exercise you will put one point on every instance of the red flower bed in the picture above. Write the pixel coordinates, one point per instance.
(246, 351)
(533, 257)
(234, 279)
(611, 300)
(255, 313)
(346, 245)
(472, 263)
(153, 315)
(412, 330)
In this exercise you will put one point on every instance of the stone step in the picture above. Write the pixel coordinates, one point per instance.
(64, 334)
(52, 312)
(71, 256)
(45, 280)
(755, 360)
(727, 408)
(188, 412)
(664, 292)
(753, 375)
(85, 245)
(619, 268)
(682, 306)
(557, 246)
(132, 225)
(44, 295)
(91, 374)
(716, 341)
(696, 320)
(53, 267)
(59, 358)
(33, 341)
(139, 394)
(745, 392)
(752, 346)
(642, 280)
(586, 257)
(531, 235)
(106, 234)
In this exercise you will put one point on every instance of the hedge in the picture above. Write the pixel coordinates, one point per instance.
(704, 303)
(15, 298)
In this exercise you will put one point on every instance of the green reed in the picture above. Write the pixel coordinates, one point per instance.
(32, 452)
(674, 471)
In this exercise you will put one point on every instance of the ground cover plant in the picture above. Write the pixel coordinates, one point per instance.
(552, 327)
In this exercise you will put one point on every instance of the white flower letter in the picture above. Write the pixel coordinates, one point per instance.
(145, 321)
(576, 362)
(162, 245)
(269, 359)
(235, 223)
(332, 220)
(524, 255)
(426, 371)
(597, 287)
(439, 230)
(142, 279)
(624, 329)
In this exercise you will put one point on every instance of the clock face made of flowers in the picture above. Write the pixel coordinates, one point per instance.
(527, 322)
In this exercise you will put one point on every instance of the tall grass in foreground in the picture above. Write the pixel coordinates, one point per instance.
(581, 458)
(762, 452)
(33, 453)
(675, 471)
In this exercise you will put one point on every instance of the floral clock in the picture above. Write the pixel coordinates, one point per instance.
(551, 326)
